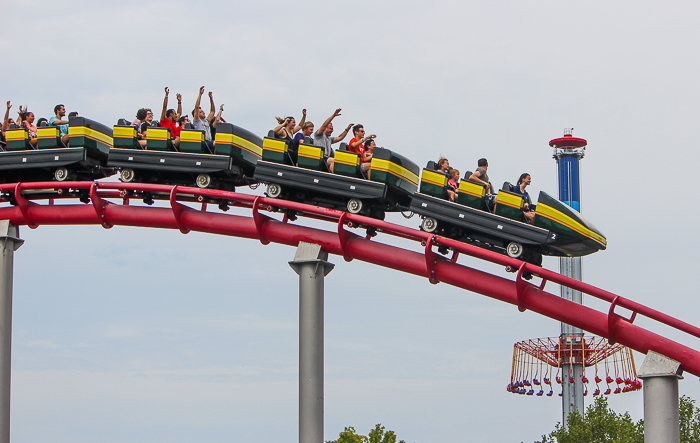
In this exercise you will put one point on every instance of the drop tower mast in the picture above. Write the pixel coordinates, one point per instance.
(568, 152)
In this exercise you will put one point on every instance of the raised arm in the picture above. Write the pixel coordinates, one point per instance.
(165, 104)
(278, 129)
(325, 124)
(5, 124)
(342, 134)
(301, 123)
(195, 114)
(361, 141)
(179, 106)
(218, 116)
(212, 107)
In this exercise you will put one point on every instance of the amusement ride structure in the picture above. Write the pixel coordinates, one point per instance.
(539, 363)
(63, 193)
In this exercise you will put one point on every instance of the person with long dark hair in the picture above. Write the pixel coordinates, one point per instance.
(523, 183)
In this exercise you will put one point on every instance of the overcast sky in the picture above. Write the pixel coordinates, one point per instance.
(153, 336)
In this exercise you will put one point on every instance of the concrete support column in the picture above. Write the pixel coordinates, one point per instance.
(310, 263)
(9, 242)
(661, 409)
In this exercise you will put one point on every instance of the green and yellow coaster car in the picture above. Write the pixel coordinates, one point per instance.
(558, 229)
(393, 179)
(85, 159)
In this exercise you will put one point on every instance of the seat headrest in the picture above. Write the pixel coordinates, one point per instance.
(467, 175)
(308, 141)
(343, 147)
(431, 166)
(188, 125)
(14, 126)
(507, 187)
(271, 134)
(43, 124)
(123, 122)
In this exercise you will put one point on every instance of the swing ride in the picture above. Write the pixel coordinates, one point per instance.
(539, 362)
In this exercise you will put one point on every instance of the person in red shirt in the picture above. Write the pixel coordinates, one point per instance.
(168, 118)
(357, 144)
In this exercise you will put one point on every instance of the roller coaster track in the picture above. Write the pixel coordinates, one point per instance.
(101, 210)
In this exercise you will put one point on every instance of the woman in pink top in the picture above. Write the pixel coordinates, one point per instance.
(453, 184)
(27, 121)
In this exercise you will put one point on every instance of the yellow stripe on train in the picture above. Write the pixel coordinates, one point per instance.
(76, 131)
(274, 145)
(347, 158)
(434, 178)
(393, 168)
(559, 217)
(514, 201)
(231, 139)
(191, 136)
(16, 134)
(157, 133)
(310, 151)
(44, 132)
(121, 132)
(472, 189)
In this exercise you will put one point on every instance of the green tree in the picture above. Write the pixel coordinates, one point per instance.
(599, 424)
(349, 436)
(602, 424)
(690, 421)
(377, 435)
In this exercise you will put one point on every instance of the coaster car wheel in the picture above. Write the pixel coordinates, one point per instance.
(127, 175)
(429, 225)
(515, 250)
(354, 206)
(61, 174)
(203, 181)
(274, 190)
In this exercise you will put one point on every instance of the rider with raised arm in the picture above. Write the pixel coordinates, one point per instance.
(217, 119)
(288, 127)
(306, 130)
(323, 138)
(26, 121)
(6, 121)
(201, 121)
(168, 117)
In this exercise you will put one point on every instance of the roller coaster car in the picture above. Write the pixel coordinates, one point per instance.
(558, 229)
(393, 178)
(232, 163)
(85, 159)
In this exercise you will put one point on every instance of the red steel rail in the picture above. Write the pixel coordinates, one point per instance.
(350, 246)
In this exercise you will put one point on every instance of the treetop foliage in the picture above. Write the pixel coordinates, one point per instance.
(376, 435)
(600, 424)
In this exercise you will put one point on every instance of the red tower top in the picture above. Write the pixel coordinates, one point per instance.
(568, 141)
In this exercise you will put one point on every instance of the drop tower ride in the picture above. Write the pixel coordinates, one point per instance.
(568, 152)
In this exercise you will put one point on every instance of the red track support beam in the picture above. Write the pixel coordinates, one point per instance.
(427, 264)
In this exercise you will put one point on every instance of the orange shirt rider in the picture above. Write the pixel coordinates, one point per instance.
(357, 144)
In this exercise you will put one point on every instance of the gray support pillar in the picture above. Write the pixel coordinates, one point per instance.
(661, 409)
(310, 262)
(572, 393)
(9, 242)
